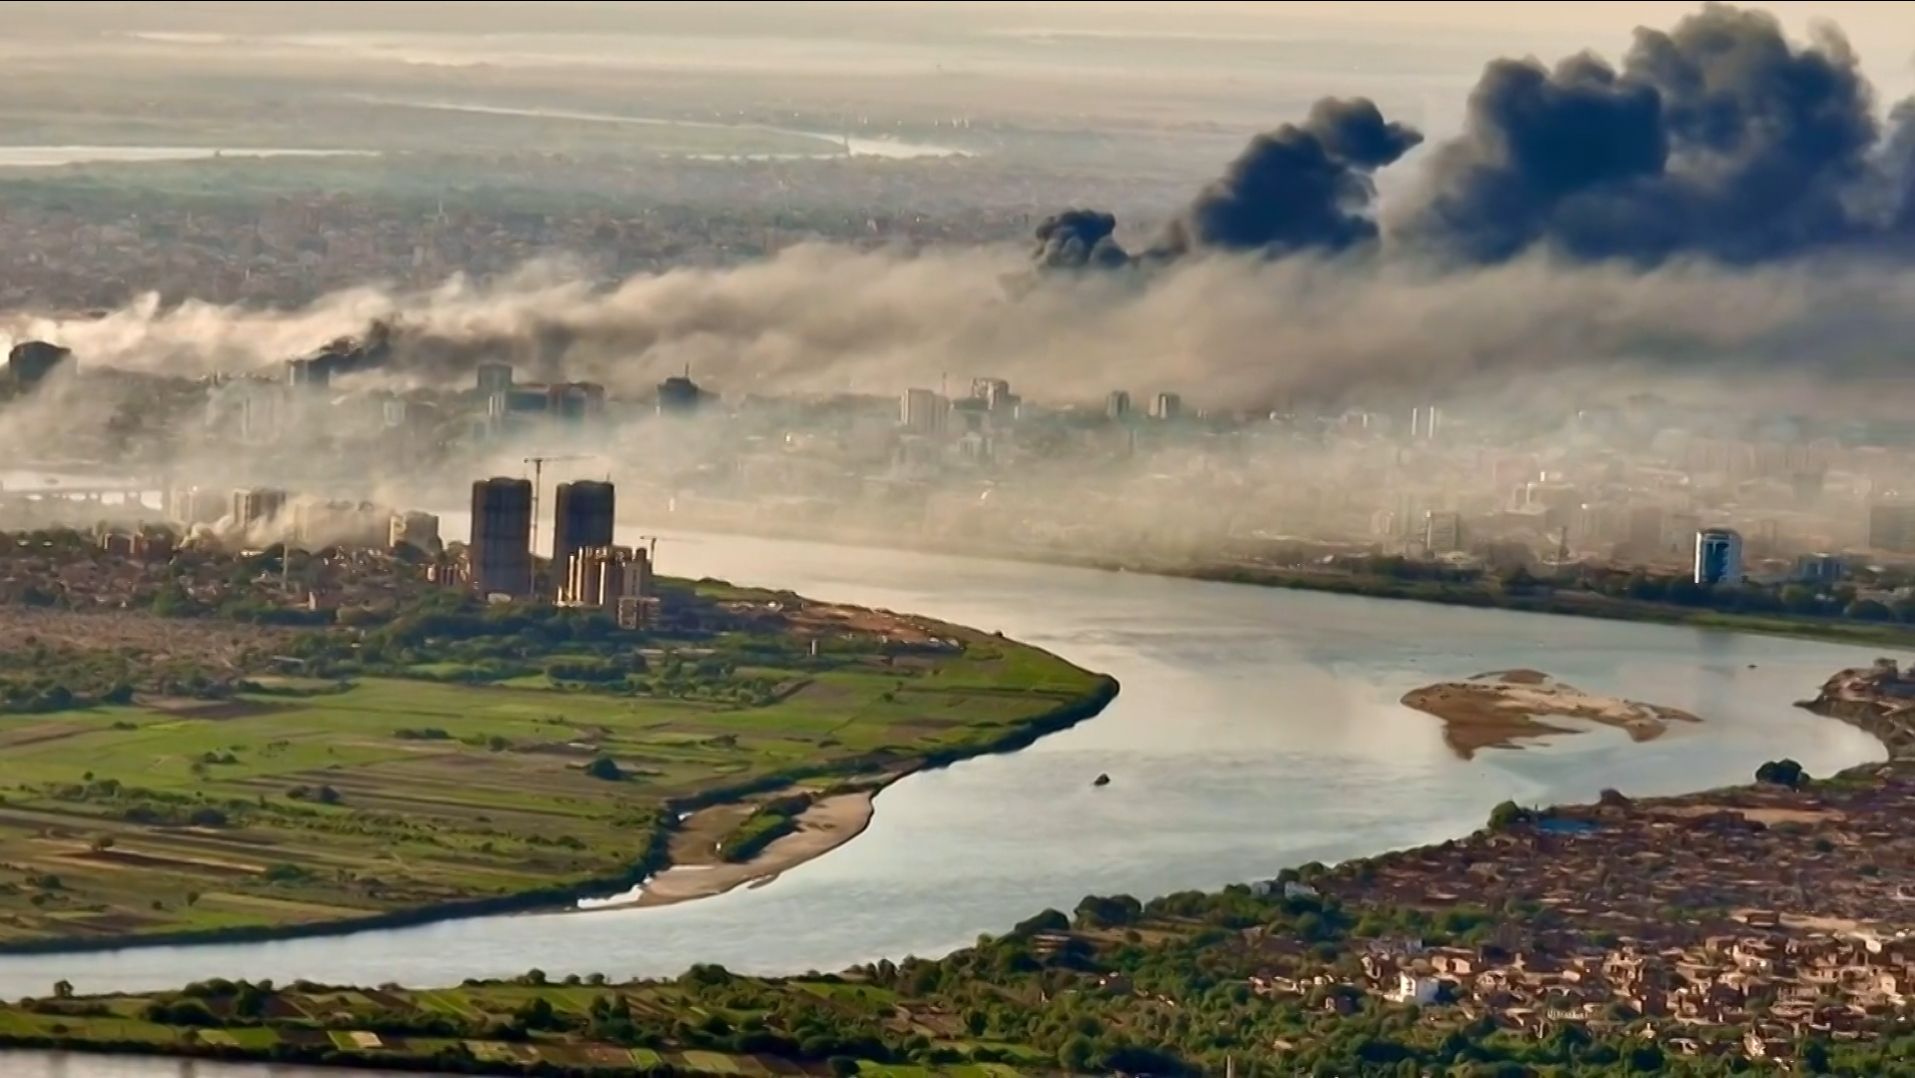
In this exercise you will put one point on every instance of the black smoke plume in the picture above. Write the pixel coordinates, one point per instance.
(1719, 139)
(1298, 187)
(1078, 239)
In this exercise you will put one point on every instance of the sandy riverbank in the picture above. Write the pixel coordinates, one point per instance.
(699, 871)
(1501, 708)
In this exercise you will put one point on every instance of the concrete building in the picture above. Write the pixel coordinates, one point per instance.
(922, 411)
(604, 576)
(256, 505)
(518, 401)
(679, 395)
(1117, 405)
(1167, 406)
(1718, 556)
(635, 612)
(1819, 569)
(493, 378)
(996, 395)
(188, 506)
(1891, 527)
(312, 372)
(500, 548)
(1424, 423)
(1443, 532)
(582, 516)
(575, 401)
(417, 530)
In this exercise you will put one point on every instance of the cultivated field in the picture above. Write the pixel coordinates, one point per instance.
(311, 801)
(514, 1028)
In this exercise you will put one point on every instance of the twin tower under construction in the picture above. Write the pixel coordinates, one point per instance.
(585, 570)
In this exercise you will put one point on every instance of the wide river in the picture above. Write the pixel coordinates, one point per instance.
(1257, 728)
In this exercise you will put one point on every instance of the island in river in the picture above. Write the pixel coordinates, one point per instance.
(1704, 934)
(1501, 708)
(182, 763)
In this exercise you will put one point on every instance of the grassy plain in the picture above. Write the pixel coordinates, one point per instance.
(514, 1028)
(316, 802)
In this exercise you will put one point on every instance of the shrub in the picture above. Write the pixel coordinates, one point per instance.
(1784, 772)
(1508, 815)
(207, 817)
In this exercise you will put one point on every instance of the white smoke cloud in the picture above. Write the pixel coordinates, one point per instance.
(1226, 332)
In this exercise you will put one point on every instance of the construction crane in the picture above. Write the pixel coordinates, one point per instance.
(538, 484)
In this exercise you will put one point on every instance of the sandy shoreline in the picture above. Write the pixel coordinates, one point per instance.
(697, 870)
(1501, 708)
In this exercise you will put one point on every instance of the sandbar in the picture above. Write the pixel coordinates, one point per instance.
(697, 871)
(1501, 708)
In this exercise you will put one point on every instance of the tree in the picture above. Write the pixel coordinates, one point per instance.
(1800, 599)
(1077, 1054)
(1784, 772)
(1868, 610)
(1047, 921)
(1108, 911)
(605, 768)
(1507, 815)
(63, 989)
(172, 601)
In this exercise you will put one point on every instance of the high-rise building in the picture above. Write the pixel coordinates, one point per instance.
(679, 395)
(1891, 527)
(1443, 532)
(31, 361)
(604, 576)
(187, 506)
(1819, 569)
(494, 378)
(582, 517)
(414, 529)
(312, 372)
(922, 411)
(1718, 556)
(1424, 423)
(1117, 405)
(575, 400)
(256, 505)
(500, 551)
(1167, 406)
(996, 395)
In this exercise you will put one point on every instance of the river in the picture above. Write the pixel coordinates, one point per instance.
(1257, 728)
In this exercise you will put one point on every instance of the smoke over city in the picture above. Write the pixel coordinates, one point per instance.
(1297, 188)
(1724, 198)
(1719, 139)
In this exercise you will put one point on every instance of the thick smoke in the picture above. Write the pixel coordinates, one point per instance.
(1238, 332)
(1300, 187)
(1720, 138)
(1078, 239)
(1296, 188)
(1738, 198)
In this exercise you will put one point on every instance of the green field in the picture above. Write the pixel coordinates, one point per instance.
(295, 806)
(693, 1026)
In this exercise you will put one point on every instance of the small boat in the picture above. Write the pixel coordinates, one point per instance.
(1101, 780)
